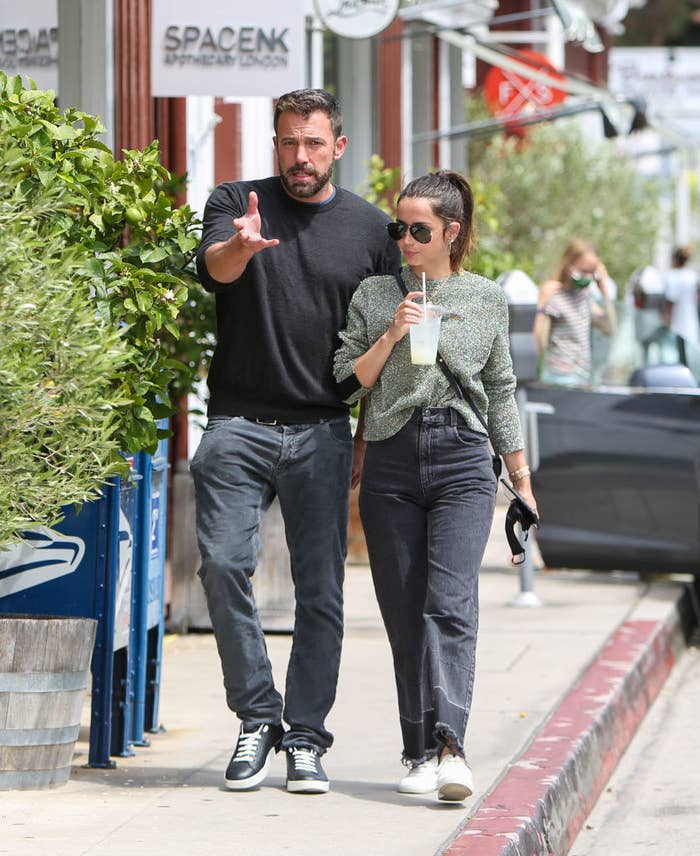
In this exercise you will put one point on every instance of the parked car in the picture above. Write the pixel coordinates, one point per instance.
(617, 478)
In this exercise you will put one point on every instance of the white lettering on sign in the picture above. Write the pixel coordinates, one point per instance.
(220, 49)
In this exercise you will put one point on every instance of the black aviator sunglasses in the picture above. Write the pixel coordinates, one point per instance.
(397, 230)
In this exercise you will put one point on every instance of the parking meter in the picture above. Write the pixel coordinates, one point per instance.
(522, 294)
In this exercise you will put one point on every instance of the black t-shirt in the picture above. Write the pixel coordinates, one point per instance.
(277, 325)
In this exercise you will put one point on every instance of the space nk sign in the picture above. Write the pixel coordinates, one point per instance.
(227, 47)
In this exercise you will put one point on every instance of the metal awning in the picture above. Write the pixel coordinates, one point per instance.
(578, 17)
(452, 14)
(618, 111)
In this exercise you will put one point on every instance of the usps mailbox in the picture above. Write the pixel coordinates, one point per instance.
(83, 567)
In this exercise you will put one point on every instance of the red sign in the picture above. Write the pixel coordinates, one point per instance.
(509, 93)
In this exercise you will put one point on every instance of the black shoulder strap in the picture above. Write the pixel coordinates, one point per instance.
(459, 390)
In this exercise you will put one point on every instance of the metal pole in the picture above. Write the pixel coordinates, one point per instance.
(316, 72)
(527, 596)
(86, 59)
(407, 106)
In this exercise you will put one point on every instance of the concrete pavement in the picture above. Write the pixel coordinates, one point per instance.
(169, 799)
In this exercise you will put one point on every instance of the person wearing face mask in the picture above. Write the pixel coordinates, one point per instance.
(566, 313)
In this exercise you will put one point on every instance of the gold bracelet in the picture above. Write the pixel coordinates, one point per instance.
(519, 474)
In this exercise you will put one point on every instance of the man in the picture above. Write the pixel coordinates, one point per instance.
(284, 256)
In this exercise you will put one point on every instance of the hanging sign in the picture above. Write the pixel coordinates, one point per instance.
(29, 40)
(227, 47)
(356, 19)
(509, 93)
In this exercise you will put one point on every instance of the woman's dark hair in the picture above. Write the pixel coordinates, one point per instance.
(304, 102)
(681, 255)
(452, 200)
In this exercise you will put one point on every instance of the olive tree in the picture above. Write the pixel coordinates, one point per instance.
(555, 185)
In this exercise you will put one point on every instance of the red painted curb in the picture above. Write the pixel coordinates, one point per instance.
(540, 804)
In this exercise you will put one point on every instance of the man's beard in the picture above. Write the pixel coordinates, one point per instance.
(303, 190)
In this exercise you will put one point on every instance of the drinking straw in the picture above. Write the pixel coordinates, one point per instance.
(425, 314)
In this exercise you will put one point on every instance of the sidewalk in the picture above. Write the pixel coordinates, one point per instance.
(169, 799)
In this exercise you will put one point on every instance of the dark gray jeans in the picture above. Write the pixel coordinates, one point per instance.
(426, 503)
(238, 469)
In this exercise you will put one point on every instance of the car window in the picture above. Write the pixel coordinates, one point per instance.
(641, 340)
(615, 358)
(692, 359)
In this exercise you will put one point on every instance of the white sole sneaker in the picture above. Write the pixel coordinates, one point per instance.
(422, 779)
(252, 781)
(454, 779)
(305, 773)
(308, 787)
(454, 792)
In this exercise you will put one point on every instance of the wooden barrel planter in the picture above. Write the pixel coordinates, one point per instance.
(44, 674)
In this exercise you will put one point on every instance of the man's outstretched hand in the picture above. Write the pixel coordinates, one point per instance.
(248, 228)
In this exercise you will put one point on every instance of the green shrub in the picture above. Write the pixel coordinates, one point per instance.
(556, 185)
(95, 262)
(57, 359)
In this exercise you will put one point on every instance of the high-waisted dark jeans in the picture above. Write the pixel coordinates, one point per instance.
(238, 469)
(426, 503)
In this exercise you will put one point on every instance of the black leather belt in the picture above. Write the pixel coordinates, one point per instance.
(437, 416)
(280, 423)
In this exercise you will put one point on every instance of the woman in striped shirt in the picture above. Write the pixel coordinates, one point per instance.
(566, 313)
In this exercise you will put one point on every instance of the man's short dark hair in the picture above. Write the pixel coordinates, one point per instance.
(304, 102)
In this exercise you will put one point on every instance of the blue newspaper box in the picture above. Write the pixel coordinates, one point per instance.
(83, 567)
(148, 626)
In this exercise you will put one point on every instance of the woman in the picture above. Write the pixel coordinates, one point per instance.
(566, 313)
(428, 485)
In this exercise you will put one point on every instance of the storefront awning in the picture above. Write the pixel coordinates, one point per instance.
(618, 111)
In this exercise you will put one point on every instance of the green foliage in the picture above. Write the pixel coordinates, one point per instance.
(95, 263)
(57, 358)
(659, 22)
(382, 185)
(556, 186)
(137, 248)
(194, 347)
(476, 110)
(490, 258)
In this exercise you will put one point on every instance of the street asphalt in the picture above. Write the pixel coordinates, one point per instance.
(559, 693)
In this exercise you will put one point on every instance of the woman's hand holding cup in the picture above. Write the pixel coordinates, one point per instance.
(407, 312)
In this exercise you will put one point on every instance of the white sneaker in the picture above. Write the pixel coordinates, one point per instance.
(454, 779)
(420, 779)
